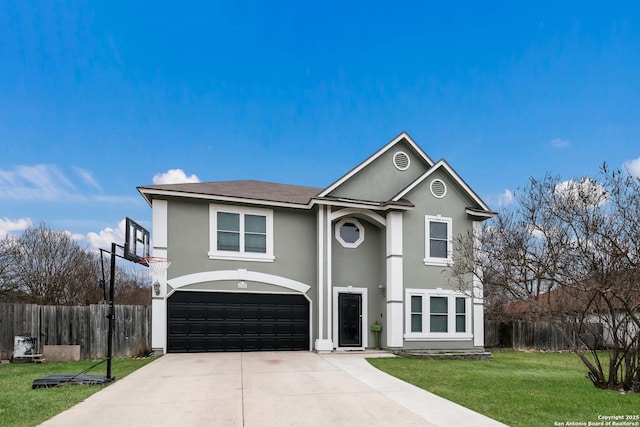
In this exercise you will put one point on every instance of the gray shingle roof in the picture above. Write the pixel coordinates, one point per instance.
(245, 189)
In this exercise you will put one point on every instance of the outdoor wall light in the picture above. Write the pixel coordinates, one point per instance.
(156, 287)
(381, 289)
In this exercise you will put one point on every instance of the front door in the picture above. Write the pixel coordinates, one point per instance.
(350, 320)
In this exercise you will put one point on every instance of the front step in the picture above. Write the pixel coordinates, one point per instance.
(461, 355)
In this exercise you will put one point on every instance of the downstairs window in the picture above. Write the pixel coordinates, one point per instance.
(437, 314)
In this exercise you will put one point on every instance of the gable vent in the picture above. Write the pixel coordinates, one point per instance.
(401, 161)
(438, 188)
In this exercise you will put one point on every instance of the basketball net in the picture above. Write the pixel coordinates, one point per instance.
(157, 264)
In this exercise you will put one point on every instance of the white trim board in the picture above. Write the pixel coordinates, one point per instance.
(355, 212)
(239, 275)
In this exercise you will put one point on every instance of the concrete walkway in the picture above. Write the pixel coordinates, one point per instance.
(265, 389)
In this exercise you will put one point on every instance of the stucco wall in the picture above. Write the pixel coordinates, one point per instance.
(295, 250)
(416, 273)
(295, 247)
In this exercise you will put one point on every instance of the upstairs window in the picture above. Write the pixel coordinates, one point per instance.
(228, 233)
(241, 233)
(255, 233)
(438, 240)
(349, 232)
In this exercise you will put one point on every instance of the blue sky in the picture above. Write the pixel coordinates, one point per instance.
(97, 98)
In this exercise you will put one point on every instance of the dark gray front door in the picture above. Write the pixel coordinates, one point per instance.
(350, 320)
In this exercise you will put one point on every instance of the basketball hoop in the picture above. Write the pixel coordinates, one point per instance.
(157, 264)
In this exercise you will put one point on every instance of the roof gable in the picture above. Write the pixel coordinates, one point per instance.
(443, 166)
(349, 186)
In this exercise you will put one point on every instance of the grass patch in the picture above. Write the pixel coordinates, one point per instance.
(20, 405)
(517, 388)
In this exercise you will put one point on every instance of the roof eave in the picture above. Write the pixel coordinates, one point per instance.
(144, 194)
(481, 215)
(148, 194)
(363, 204)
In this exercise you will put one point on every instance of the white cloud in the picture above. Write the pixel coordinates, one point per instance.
(586, 191)
(123, 200)
(633, 167)
(500, 200)
(174, 176)
(76, 236)
(8, 225)
(535, 232)
(560, 143)
(104, 238)
(6, 178)
(47, 183)
(87, 177)
(37, 182)
(505, 199)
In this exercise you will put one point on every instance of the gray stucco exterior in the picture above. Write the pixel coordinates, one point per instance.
(366, 235)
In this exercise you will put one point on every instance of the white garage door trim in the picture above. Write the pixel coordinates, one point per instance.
(239, 275)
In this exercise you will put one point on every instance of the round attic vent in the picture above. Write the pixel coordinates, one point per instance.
(401, 161)
(438, 188)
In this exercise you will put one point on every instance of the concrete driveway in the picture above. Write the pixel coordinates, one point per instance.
(265, 389)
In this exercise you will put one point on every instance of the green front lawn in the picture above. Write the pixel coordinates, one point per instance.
(517, 388)
(20, 405)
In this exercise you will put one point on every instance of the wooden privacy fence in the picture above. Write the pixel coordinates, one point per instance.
(538, 335)
(86, 326)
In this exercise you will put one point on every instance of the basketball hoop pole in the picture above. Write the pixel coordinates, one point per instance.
(111, 315)
(135, 249)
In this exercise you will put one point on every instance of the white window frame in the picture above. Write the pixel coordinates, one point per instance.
(426, 335)
(428, 259)
(358, 225)
(240, 255)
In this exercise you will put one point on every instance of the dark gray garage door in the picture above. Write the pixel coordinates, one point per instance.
(215, 321)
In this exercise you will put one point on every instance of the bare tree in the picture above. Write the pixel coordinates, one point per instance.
(49, 267)
(82, 284)
(568, 254)
(7, 285)
(45, 266)
(132, 287)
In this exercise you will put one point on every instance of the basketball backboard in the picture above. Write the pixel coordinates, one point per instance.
(136, 241)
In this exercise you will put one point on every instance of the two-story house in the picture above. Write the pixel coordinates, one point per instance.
(263, 266)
